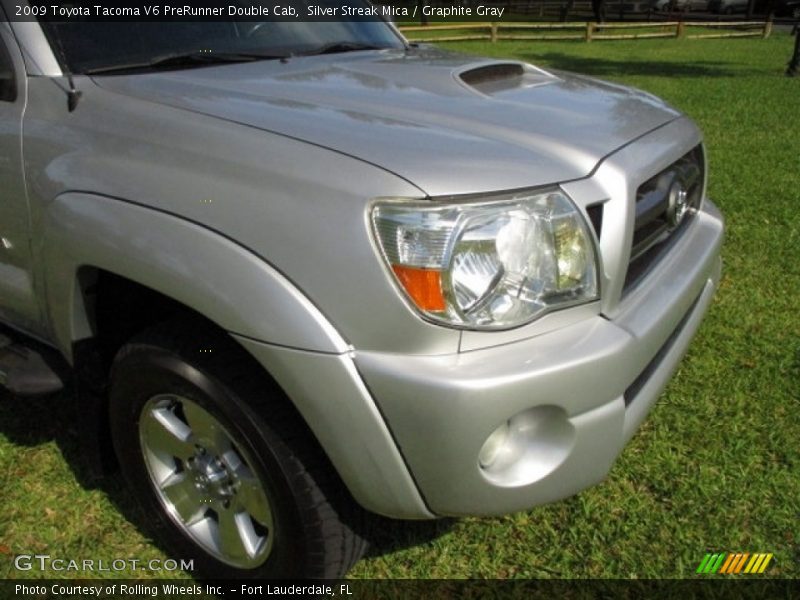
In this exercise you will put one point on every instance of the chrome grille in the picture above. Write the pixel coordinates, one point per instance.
(664, 205)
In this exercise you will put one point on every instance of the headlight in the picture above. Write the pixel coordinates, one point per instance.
(492, 264)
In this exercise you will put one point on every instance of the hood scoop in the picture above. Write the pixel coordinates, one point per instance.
(491, 73)
(497, 77)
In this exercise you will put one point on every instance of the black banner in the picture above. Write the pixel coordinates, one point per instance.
(683, 589)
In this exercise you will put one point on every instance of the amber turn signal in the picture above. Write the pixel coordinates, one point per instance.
(424, 286)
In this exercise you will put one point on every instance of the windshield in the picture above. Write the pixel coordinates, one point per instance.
(107, 46)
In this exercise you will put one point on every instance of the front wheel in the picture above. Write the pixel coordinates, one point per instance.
(226, 472)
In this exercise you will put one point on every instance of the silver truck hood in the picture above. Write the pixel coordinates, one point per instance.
(448, 123)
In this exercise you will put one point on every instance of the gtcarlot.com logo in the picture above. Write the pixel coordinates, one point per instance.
(44, 562)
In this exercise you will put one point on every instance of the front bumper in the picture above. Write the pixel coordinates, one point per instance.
(404, 432)
(574, 395)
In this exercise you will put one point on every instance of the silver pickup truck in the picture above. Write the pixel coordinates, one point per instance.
(298, 273)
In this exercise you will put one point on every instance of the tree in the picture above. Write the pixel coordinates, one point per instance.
(566, 9)
(599, 8)
(794, 63)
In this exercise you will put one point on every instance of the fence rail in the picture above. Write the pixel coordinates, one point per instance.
(587, 30)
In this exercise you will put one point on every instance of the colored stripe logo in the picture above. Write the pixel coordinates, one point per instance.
(734, 563)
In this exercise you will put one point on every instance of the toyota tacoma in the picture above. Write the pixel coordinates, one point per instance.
(294, 274)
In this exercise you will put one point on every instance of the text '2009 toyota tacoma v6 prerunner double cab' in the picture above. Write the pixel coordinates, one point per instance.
(299, 270)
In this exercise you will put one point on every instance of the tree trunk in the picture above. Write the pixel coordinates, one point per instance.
(599, 9)
(566, 9)
(794, 63)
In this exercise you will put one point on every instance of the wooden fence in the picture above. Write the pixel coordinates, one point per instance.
(588, 31)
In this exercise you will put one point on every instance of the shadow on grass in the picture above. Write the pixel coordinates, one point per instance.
(28, 423)
(32, 422)
(603, 67)
(389, 535)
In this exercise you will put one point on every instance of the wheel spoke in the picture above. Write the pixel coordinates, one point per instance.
(251, 497)
(232, 461)
(185, 498)
(204, 530)
(165, 433)
(237, 537)
(206, 430)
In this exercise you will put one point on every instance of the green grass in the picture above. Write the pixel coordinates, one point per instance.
(715, 467)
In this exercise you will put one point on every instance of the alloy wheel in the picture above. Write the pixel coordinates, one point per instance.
(206, 481)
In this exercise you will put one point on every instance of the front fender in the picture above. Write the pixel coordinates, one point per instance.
(190, 263)
(243, 294)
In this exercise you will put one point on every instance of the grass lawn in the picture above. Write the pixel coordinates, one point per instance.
(716, 467)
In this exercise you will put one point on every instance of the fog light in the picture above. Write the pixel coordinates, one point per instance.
(527, 447)
(493, 446)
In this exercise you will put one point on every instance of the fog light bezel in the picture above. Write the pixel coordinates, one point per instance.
(536, 442)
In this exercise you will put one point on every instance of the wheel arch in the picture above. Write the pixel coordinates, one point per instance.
(88, 235)
(136, 267)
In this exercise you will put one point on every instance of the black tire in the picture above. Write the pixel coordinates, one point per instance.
(314, 527)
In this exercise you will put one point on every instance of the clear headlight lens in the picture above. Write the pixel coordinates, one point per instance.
(492, 264)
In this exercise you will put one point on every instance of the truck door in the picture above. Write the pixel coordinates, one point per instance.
(18, 306)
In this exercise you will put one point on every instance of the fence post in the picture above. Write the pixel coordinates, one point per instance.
(494, 33)
(679, 29)
(767, 28)
(589, 30)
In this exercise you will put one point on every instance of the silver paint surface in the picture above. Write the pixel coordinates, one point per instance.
(243, 191)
